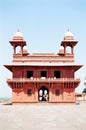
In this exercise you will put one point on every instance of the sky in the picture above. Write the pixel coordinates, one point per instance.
(43, 24)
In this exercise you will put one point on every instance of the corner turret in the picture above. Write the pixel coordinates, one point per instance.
(18, 40)
(68, 41)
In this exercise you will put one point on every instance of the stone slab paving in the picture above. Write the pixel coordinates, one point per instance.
(43, 116)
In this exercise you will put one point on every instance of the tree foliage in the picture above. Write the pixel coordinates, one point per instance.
(85, 81)
(84, 90)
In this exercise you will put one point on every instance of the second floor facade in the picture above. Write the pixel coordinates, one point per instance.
(43, 72)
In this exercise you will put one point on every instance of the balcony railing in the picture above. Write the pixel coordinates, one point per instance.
(43, 80)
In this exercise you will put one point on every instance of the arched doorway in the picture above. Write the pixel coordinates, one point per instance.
(43, 94)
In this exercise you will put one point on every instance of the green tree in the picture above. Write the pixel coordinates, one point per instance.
(84, 90)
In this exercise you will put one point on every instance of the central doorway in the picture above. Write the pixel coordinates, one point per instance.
(43, 94)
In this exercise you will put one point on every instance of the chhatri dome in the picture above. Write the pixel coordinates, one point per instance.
(68, 36)
(18, 36)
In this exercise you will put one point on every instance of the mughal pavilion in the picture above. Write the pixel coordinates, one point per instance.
(43, 77)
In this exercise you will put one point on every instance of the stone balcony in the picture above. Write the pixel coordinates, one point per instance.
(43, 80)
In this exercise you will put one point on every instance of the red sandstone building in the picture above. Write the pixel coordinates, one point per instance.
(43, 76)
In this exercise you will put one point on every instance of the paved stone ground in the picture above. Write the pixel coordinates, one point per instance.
(43, 117)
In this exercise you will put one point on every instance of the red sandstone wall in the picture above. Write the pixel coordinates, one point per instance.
(19, 72)
(20, 94)
(68, 95)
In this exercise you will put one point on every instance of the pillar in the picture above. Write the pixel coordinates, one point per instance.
(72, 50)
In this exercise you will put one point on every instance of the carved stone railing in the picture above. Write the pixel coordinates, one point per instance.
(43, 80)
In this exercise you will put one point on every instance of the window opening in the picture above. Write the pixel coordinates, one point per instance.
(57, 92)
(57, 74)
(29, 74)
(68, 50)
(29, 92)
(43, 74)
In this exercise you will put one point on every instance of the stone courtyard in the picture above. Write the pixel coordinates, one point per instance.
(43, 116)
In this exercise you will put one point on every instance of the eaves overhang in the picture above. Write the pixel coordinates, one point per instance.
(74, 66)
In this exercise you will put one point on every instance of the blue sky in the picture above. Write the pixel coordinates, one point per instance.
(43, 24)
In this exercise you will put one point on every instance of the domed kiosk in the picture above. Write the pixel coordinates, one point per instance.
(18, 40)
(69, 41)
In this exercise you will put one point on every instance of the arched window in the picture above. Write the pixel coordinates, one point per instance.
(18, 50)
(43, 94)
(68, 50)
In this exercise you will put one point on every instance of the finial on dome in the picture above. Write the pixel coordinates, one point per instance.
(68, 35)
(18, 36)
